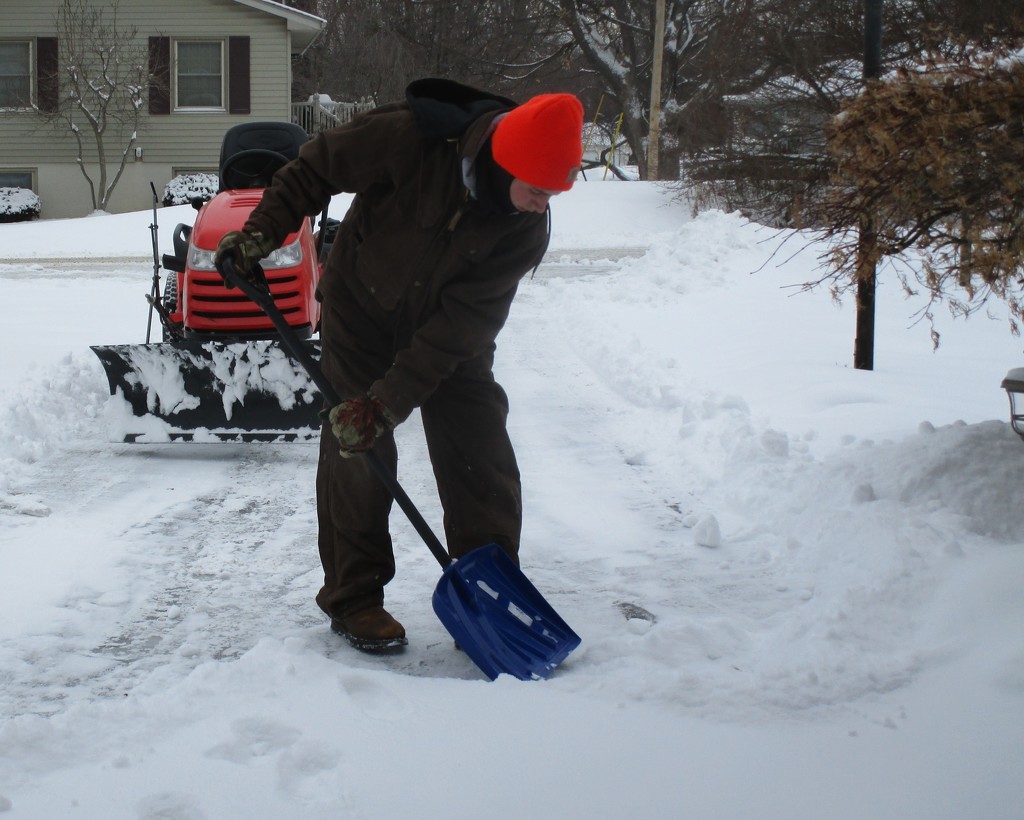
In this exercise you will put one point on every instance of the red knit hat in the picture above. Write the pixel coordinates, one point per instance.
(541, 141)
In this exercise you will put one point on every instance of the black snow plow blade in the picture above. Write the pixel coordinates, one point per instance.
(206, 391)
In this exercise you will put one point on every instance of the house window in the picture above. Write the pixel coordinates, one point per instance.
(200, 74)
(15, 74)
(16, 179)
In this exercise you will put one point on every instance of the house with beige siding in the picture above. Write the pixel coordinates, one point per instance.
(211, 64)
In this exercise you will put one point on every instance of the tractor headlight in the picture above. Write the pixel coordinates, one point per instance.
(200, 259)
(287, 257)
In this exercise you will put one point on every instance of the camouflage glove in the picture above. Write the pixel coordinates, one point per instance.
(244, 249)
(358, 423)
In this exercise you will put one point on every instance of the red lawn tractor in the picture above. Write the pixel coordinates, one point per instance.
(220, 372)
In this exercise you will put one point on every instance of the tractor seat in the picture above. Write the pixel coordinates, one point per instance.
(252, 152)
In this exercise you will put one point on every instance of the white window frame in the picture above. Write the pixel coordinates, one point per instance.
(223, 76)
(30, 104)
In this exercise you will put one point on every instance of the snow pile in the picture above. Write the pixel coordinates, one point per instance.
(797, 584)
(60, 406)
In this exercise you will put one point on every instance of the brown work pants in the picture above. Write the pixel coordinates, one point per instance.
(470, 452)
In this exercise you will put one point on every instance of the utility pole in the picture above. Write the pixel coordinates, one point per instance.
(658, 53)
(867, 242)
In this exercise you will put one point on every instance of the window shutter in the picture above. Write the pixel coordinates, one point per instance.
(159, 75)
(239, 101)
(47, 73)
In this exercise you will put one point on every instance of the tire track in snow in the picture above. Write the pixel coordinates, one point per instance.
(200, 577)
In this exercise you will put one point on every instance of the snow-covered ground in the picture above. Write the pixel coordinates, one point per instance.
(798, 585)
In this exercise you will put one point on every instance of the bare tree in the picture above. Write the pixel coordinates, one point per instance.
(103, 77)
(778, 71)
(932, 156)
(747, 85)
(775, 74)
(517, 47)
(360, 54)
(616, 43)
(603, 51)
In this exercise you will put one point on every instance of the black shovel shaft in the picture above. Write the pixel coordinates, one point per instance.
(300, 353)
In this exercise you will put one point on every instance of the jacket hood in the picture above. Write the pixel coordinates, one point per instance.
(444, 108)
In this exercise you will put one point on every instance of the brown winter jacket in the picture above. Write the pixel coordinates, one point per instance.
(413, 238)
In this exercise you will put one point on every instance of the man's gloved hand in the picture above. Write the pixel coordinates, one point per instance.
(359, 422)
(244, 249)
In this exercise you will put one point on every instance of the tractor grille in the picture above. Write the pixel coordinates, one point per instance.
(210, 299)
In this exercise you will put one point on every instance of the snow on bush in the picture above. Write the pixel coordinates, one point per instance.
(18, 205)
(185, 188)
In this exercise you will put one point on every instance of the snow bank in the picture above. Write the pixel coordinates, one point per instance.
(797, 584)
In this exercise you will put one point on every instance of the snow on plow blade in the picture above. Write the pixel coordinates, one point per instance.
(243, 391)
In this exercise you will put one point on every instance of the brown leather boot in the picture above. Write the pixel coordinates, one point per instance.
(371, 630)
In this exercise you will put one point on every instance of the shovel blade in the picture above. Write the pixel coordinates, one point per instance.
(499, 619)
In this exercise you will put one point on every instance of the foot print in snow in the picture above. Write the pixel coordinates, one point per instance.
(24, 506)
(376, 701)
(306, 770)
(309, 772)
(254, 738)
(864, 494)
(167, 805)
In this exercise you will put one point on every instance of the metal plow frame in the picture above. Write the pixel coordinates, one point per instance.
(245, 391)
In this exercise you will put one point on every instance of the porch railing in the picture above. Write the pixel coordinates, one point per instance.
(317, 114)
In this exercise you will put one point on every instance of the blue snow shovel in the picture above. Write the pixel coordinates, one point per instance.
(496, 616)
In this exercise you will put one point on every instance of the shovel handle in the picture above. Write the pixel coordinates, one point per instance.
(289, 338)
